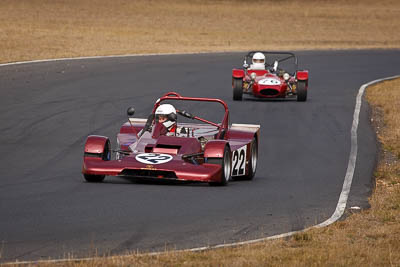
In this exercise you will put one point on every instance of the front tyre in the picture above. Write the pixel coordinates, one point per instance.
(301, 91)
(237, 89)
(226, 167)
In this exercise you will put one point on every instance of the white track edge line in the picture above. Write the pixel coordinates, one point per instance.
(125, 55)
(139, 55)
(112, 56)
(340, 207)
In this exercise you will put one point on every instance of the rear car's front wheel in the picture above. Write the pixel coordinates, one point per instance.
(237, 89)
(301, 91)
(226, 169)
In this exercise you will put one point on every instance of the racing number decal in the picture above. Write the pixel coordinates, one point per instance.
(269, 81)
(153, 158)
(239, 161)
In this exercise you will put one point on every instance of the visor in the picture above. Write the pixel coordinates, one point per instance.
(161, 116)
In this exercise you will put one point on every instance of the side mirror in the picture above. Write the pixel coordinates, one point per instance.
(130, 111)
(245, 65)
(275, 65)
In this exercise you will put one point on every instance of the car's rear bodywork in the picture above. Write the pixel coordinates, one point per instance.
(197, 152)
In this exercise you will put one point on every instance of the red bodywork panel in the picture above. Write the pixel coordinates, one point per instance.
(161, 150)
(237, 73)
(182, 170)
(95, 144)
(215, 149)
(165, 157)
(302, 75)
(268, 85)
(185, 145)
(258, 72)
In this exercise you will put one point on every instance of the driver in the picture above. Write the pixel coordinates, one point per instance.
(258, 61)
(166, 116)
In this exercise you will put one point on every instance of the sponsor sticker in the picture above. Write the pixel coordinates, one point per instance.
(153, 158)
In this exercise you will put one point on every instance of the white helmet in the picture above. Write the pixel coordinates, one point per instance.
(258, 61)
(169, 112)
(258, 58)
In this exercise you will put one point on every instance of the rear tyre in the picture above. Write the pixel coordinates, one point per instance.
(226, 168)
(301, 91)
(237, 89)
(106, 156)
(253, 160)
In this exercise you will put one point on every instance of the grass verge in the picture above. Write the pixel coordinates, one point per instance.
(38, 29)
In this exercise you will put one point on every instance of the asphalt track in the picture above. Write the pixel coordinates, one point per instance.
(47, 110)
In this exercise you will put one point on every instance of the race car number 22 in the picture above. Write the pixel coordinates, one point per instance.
(153, 158)
(239, 161)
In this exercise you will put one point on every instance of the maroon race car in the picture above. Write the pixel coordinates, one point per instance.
(271, 75)
(204, 151)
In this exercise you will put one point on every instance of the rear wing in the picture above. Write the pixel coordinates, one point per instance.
(246, 127)
(243, 132)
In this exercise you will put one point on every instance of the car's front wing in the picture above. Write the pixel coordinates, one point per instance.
(175, 169)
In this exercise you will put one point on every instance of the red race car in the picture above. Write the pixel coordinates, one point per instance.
(161, 148)
(270, 75)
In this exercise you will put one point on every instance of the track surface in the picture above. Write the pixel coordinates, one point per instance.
(48, 109)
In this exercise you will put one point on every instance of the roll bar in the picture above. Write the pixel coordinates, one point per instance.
(176, 96)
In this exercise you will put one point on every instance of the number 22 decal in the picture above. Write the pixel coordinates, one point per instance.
(239, 161)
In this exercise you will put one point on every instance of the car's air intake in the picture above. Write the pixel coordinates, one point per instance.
(269, 92)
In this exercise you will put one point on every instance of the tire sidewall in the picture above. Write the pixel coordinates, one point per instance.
(226, 166)
(253, 159)
(237, 89)
(301, 91)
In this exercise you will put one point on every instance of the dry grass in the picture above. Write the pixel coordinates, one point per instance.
(387, 100)
(37, 29)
